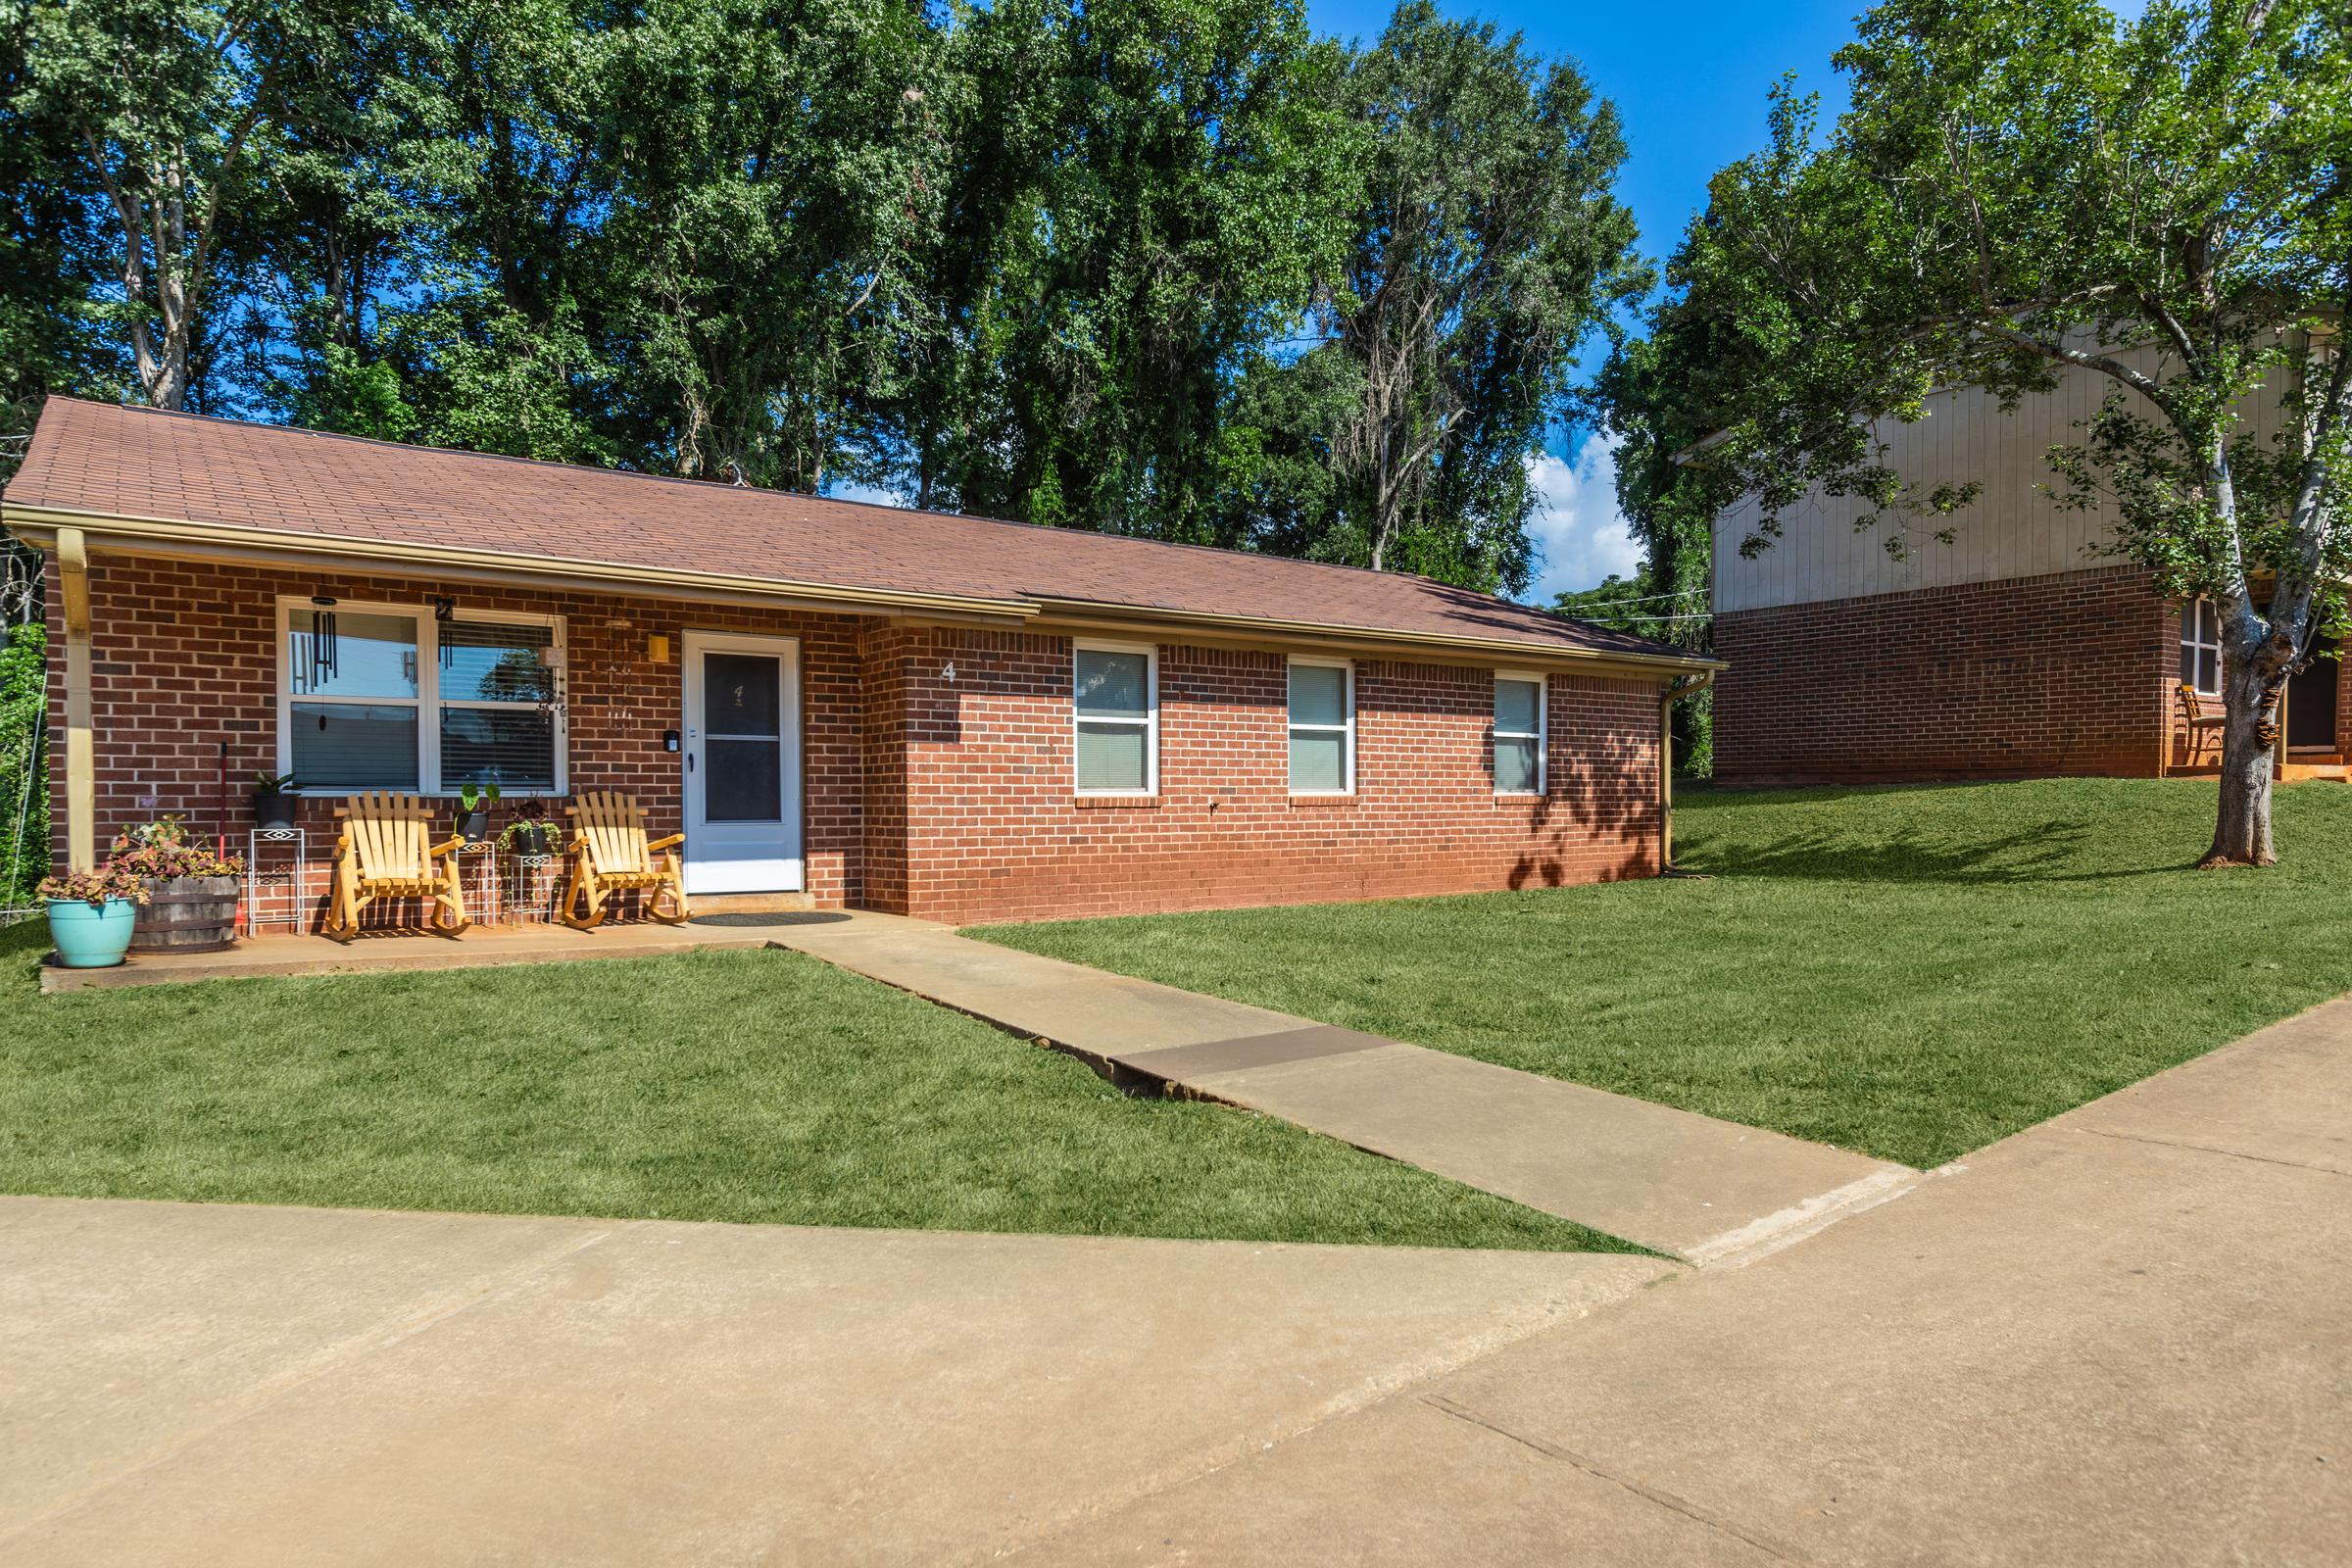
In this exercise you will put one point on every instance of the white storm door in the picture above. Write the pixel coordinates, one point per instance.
(742, 756)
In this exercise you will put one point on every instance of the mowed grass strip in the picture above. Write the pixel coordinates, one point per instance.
(750, 1086)
(1910, 972)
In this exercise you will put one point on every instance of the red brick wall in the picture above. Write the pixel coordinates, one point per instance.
(184, 657)
(952, 799)
(2070, 673)
(997, 831)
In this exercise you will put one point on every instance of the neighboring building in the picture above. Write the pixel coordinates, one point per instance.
(2017, 650)
(912, 711)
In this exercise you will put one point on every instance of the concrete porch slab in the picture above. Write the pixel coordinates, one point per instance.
(483, 946)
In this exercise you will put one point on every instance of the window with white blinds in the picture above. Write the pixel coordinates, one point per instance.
(1519, 724)
(388, 696)
(1116, 709)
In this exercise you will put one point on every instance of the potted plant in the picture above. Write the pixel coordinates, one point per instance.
(473, 810)
(190, 891)
(274, 802)
(91, 915)
(531, 833)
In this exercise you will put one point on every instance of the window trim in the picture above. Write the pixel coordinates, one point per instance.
(1149, 723)
(1291, 728)
(427, 702)
(2190, 641)
(1541, 737)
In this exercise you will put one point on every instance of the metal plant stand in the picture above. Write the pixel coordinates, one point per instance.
(484, 895)
(294, 874)
(532, 884)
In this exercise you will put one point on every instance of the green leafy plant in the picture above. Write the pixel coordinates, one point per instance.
(478, 796)
(94, 888)
(274, 784)
(160, 852)
(531, 816)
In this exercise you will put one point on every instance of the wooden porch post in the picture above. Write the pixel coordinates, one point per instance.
(81, 769)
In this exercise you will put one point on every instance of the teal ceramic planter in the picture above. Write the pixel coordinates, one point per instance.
(88, 938)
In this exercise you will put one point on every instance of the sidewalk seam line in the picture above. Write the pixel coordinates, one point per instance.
(1377, 1393)
(2206, 1148)
(1663, 1499)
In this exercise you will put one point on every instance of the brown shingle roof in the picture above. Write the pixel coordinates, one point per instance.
(107, 461)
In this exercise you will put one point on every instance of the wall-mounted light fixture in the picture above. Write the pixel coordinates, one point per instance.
(656, 651)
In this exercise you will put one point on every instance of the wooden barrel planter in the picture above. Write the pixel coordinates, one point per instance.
(188, 914)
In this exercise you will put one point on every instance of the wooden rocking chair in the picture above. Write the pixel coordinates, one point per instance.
(611, 854)
(385, 851)
(2202, 729)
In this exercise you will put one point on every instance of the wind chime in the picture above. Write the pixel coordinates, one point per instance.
(323, 649)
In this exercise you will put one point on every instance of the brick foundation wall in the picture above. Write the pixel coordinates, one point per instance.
(2065, 674)
(996, 831)
(949, 800)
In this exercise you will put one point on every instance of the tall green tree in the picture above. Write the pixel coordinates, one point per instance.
(2026, 188)
(1487, 245)
(163, 100)
(1174, 187)
(775, 171)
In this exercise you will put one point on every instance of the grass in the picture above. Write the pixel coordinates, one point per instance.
(754, 1086)
(1912, 972)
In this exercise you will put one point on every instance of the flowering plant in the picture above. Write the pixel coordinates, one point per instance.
(94, 888)
(160, 851)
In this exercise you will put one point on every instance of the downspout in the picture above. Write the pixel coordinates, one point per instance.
(1687, 686)
(81, 771)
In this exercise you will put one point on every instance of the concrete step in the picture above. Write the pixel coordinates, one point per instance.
(2297, 771)
(751, 903)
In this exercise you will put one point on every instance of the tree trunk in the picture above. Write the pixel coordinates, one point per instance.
(2241, 834)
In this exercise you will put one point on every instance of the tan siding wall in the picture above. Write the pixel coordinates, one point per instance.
(2013, 530)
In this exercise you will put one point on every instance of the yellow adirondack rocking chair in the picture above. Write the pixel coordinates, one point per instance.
(385, 851)
(611, 854)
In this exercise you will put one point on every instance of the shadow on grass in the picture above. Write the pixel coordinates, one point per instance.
(2050, 852)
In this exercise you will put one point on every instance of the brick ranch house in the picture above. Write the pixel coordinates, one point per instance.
(911, 711)
(2017, 650)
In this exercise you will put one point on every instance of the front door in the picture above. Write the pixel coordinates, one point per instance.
(742, 758)
(2311, 695)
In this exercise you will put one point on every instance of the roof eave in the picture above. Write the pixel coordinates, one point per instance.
(1059, 611)
(38, 525)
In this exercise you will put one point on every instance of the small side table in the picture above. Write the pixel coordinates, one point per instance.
(294, 874)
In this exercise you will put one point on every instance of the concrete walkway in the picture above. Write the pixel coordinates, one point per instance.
(202, 1384)
(2124, 1337)
(1690, 1186)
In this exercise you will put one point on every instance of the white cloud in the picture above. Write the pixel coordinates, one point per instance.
(841, 491)
(1576, 522)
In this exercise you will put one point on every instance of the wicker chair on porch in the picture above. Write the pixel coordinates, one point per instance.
(385, 851)
(612, 854)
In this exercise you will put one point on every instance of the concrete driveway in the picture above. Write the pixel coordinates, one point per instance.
(2124, 1337)
(218, 1385)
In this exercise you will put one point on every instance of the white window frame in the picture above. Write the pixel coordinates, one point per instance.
(1291, 728)
(1149, 723)
(1541, 737)
(427, 702)
(2189, 640)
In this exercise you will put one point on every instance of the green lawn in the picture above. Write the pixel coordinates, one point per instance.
(1911, 972)
(730, 1086)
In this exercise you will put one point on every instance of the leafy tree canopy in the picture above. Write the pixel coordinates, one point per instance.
(2024, 189)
